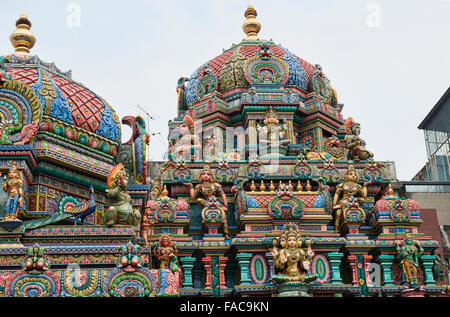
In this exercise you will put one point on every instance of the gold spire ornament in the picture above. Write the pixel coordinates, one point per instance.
(22, 39)
(251, 25)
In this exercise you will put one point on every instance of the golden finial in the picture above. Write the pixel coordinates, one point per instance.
(308, 186)
(262, 187)
(252, 186)
(251, 25)
(290, 187)
(165, 192)
(272, 186)
(280, 184)
(22, 39)
(299, 186)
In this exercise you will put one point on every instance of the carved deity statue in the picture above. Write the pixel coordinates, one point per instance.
(349, 188)
(410, 251)
(207, 189)
(354, 144)
(440, 267)
(156, 188)
(271, 133)
(13, 187)
(186, 143)
(166, 253)
(293, 262)
(120, 210)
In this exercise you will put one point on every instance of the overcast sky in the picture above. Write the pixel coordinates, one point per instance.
(389, 60)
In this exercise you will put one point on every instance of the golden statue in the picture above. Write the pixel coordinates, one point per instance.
(347, 189)
(293, 262)
(13, 187)
(272, 133)
(156, 188)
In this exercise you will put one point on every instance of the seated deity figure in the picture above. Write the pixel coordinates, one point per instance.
(409, 251)
(13, 187)
(187, 143)
(271, 133)
(347, 189)
(120, 210)
(293, 262)
(207, 189)
(354, 144)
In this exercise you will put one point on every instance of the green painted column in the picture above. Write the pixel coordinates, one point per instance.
(385, 262)
(244, 263)
(428, 262)
(335, 262)
(188, 264)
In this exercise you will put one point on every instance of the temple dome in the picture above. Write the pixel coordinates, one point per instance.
(233, 68)
(68, 108)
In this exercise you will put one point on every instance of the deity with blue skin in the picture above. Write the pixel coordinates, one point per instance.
(13, 187)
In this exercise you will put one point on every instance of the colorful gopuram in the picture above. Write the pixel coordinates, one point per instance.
(268, 190)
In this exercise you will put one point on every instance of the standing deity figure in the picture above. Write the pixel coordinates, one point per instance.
(120, 210)
(440, 267)
(156, 188)
(13, 187)
(354, 144)
(272, 133)
(166, 253)
(207, 189)
(292, 261)
(409, 251)
(349, 188)
(186, 143)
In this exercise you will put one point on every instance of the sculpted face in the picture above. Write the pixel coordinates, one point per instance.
(184, 129)
(206, 176)
(352, 176)
(356, 129)
(292, 242)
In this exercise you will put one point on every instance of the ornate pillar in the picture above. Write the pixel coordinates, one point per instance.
(252, 137)
(385, 262)
(335, 262)
(352, 261)
(367, 259)
(427, 261)
(187, 264)
(290, 131)
(244, 264)
(222, 264)
(207, 263)
(318, 138)
(269, 258)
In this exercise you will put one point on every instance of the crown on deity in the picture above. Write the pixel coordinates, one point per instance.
(290, 230)
(271, 117)
(351, 168)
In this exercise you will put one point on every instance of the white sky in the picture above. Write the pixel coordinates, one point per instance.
(388, 59)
